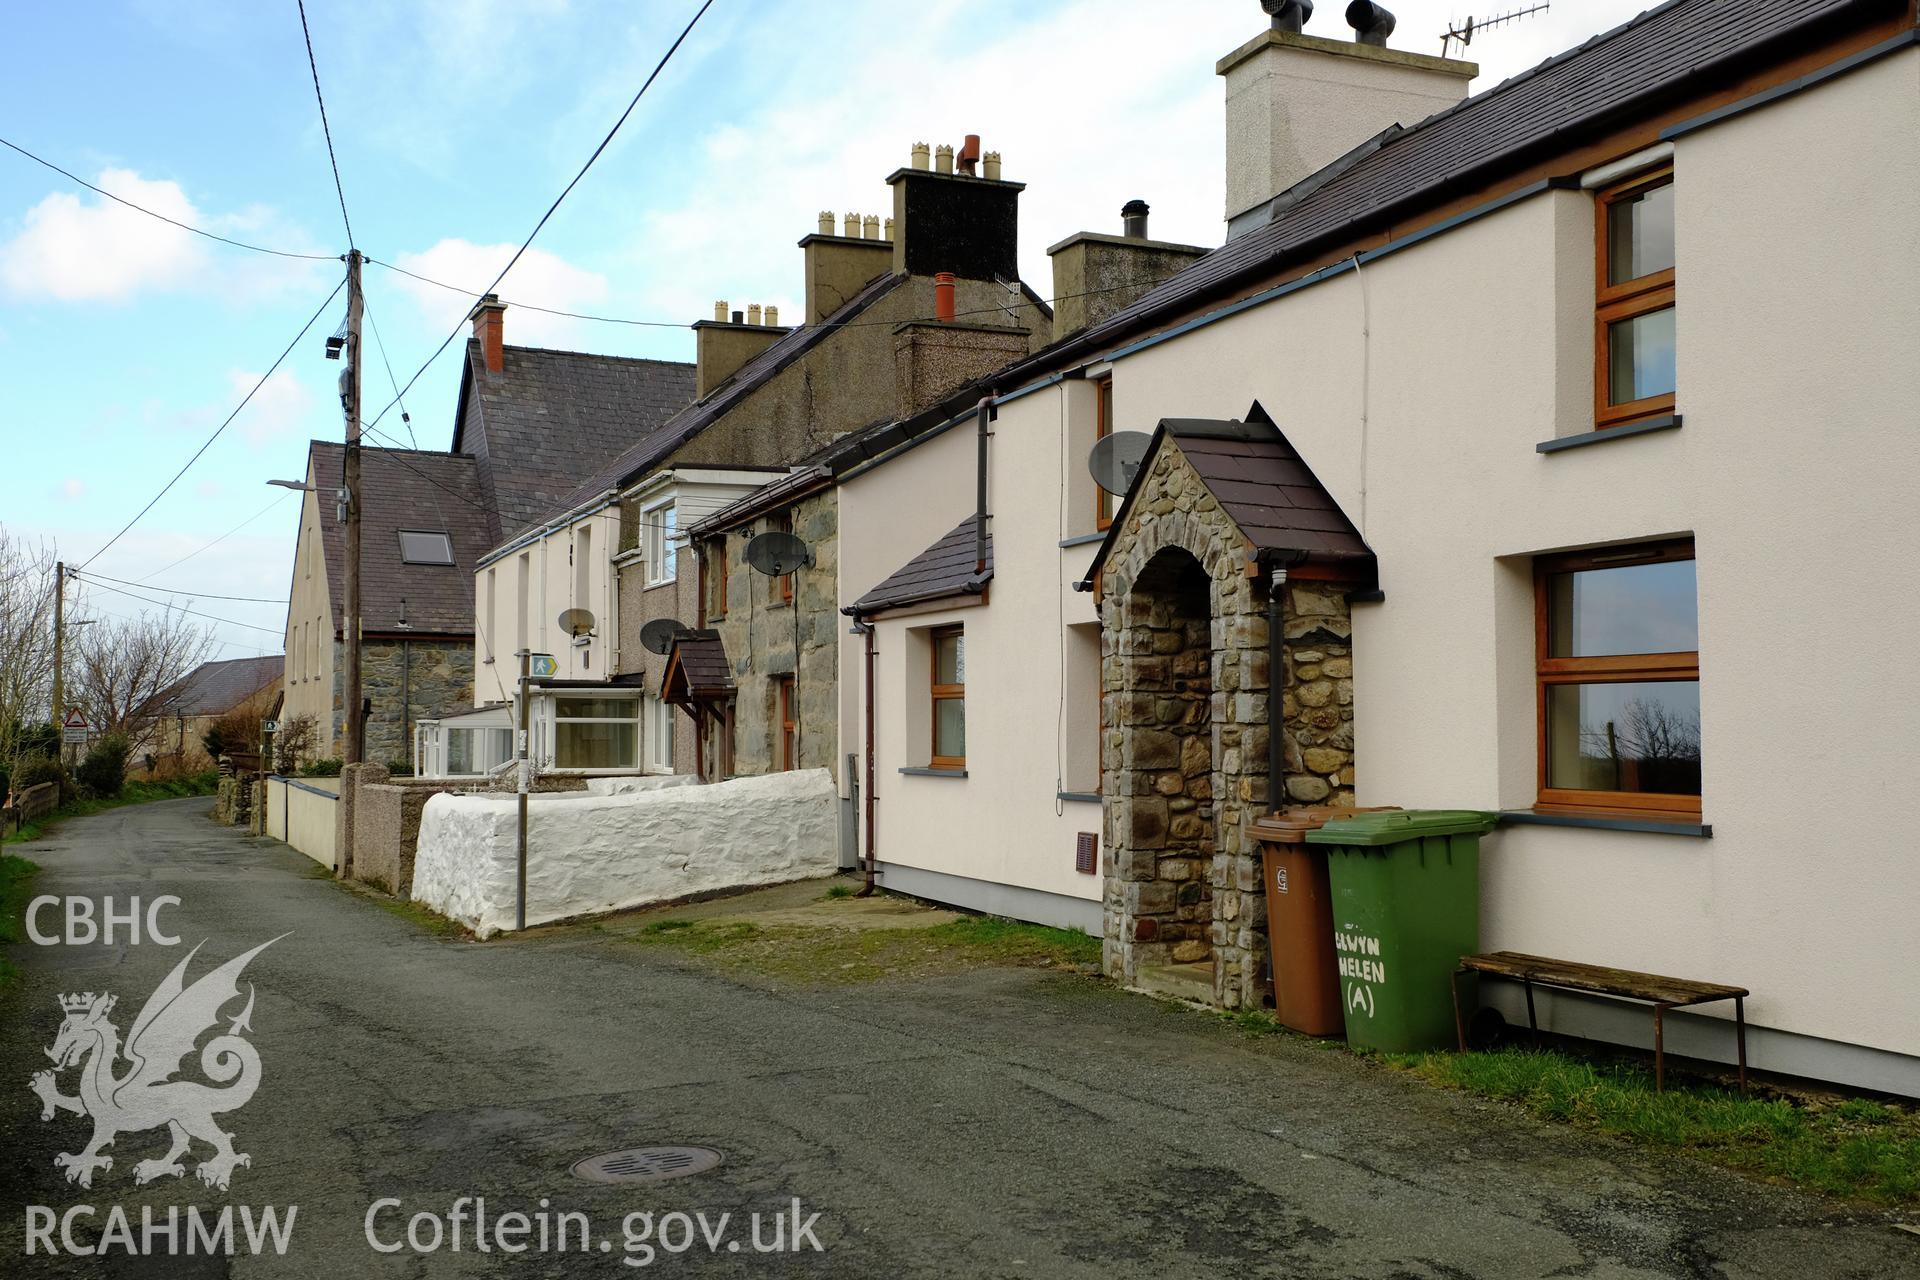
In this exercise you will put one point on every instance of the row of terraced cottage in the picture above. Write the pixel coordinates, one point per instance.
(1567, 431)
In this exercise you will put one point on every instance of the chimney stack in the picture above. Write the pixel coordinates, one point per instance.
(838, 267)
(965, 222)
(489, 330)
(1298, 102)
(728, 341)
(1095, 275)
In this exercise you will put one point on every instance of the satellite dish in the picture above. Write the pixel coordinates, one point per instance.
(658, 636)
(777, 553)
(1116, 460)
(576, 622)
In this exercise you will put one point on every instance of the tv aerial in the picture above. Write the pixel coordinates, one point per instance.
(1116, 460)
(1463, 32)
(576, 622)
(777, 553)
(658, 636)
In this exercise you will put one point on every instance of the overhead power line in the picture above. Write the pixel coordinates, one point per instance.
(177, 591)
(216, 542)
(168, 604)
(567, 190)
(184, 226)
(325, 129)
(278, 360)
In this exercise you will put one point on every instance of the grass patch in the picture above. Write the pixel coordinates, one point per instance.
(197, 784)
(839, 891)
(1856, 1149)
(16, 889)
(830, 956)
(419, 915)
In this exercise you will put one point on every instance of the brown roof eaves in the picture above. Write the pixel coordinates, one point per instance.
(697, 669)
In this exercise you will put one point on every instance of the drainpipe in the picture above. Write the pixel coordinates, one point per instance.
(983, 415)
(1277, 567)
(865, 629)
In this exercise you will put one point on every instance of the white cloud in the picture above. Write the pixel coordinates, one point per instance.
(539, 279)
(280, 408)
(89, 249)
(73, 488)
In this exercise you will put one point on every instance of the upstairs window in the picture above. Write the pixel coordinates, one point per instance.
(1104, 502)
(1619, 679)
(1634, 374)
(949, 690)
(425, 546)
(658, 535)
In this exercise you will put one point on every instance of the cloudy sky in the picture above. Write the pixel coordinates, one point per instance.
(124, 341)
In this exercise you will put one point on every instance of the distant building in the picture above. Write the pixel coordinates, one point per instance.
(169, 727)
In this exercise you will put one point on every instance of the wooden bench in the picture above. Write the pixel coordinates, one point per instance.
(1662, 993)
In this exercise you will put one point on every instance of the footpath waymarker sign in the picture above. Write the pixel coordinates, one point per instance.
(541, 665)
(74, 730)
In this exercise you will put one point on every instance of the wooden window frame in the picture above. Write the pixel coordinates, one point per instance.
(1614, 303)
(939, 693)
(789, 722)
(1608, 669)
(1105, 505)
(713, 581)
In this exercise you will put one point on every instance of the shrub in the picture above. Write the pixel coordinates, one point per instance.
(236, 731)
(294, 740)
(104, 771)
(399, 769)
(325, 767)
(31, 771)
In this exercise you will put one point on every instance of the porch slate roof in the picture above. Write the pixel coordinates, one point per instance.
(697, 669)
(1264, 486)
(944, 569)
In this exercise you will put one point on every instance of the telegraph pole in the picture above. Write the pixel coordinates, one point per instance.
(60, 648)
(350, 399)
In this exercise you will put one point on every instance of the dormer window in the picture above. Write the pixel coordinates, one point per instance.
(425, 546)
(1634, 374)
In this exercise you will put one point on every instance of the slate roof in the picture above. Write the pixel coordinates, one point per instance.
(944, 569)
(1680, 46)
(552, 416)
(215, 688)
(697, 669)
(406, 489)
(647, 453)
(1263, 484)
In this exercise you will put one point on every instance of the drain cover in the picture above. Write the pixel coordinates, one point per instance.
(647, 1164)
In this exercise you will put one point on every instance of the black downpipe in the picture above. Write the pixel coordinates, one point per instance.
(866, 630)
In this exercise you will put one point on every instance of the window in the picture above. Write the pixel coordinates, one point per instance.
(1102, 428)
(659, 735)
(425, 546)
(522, 591)
(717, 579)
(780, 589)
(1634, 358)
(949, 699)
(490, 619)
(583, 567)
(476, 751)
(789, 721)
(596, 733)
(657, 535)
(1619, 679)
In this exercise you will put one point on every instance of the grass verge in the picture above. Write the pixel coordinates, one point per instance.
(16, 888)
(828, 956)
(198, 784)
(1852, 1148)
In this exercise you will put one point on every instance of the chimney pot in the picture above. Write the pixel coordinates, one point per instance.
(943, 309)
(943, 159)
(1133, 219)
(889, 230)
(920, 155)
(1372, 23)
(990, 166)
(720, 311)
(852, 225)
(753, 313)
(1288, 15)
(969, 156)
(489, 329)
(738, 318)
(870, 226)
(773, 316)
(826, 222)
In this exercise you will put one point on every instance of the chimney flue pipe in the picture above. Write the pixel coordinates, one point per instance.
(943, 309)
(1133, 219)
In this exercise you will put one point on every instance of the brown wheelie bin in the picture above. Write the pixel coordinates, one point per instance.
(1306, 980)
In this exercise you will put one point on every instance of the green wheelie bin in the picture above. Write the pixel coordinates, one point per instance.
(1406, 907)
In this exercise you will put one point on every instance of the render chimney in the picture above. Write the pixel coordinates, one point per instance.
(489, 330)
(969, 156)
(728, 341)
(838, 267)
(1133, 219)
(1297, 102)
(1096, 274)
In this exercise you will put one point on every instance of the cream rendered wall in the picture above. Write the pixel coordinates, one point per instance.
(553, 586)
(310, 624)
(998, 824)
(1798, 270)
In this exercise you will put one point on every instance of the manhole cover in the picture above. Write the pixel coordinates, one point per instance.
(647, 1164)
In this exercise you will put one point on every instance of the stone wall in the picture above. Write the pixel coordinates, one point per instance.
(438, 676)
(1178, 852)
(759, 631)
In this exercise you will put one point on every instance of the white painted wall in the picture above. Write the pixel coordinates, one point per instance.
(554, 583)
(596, 853)
(301, 813)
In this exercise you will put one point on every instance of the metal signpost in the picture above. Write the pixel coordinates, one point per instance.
(531, 665)
(73, 730)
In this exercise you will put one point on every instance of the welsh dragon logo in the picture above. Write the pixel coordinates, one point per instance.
(144, 1096)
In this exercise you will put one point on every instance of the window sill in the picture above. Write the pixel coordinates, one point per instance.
(934, 773)
(1666, 422)
(1676, 825)
(1080, 797)
(1083, 539)
(663, 582)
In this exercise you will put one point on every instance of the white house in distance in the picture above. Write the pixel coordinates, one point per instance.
(1600, 387)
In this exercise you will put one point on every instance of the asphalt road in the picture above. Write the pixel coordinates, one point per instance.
(998, 1123)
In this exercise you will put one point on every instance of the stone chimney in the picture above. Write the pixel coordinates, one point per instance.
(954, 221)
(1095, 275)
(840, 266)
(723, 345)
(1296, 103)
(490, 331)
